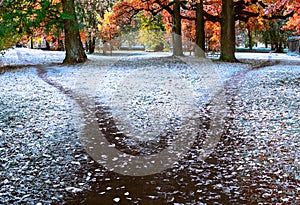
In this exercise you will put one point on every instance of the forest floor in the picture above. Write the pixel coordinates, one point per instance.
(143, 103)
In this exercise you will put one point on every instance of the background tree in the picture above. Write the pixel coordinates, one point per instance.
(278, 13)
(152, 32)
(212, 36)
(126, 10)
(13, 18)
(91, 12)
(257, 26)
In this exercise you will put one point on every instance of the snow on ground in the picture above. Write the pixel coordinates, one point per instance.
(37, 141)
(29, 56)
(42, 159)
(268, 56)
(267, 119)
(40, 57)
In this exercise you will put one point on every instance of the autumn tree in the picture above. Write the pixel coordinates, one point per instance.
(174, 9)
(89, 14)
(253, 26)
(212, 36)
(243, 10)
(293, 23)
(125, 11)
(178, 11)
(22, 17)
(232, 11)
(281, 16)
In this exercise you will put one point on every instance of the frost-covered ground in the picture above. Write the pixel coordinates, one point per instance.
(267, 120)
(38, 140)
(25, 56)
(43, 160)
(271, 56)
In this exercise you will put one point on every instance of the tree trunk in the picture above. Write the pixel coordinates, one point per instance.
(249, 39)
(228, 32)
(92, 43)
(266, 38)
(74, 48)
(200, 33)
(47, 45)
(86, 46)
(177, 39)
(31, 42)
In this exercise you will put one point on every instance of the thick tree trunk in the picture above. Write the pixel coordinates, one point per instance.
(200, 33)
(74, 48)
(177, 39)
(228, 32)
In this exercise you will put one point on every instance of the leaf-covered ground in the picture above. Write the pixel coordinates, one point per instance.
(267, 120)
(44, 162)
